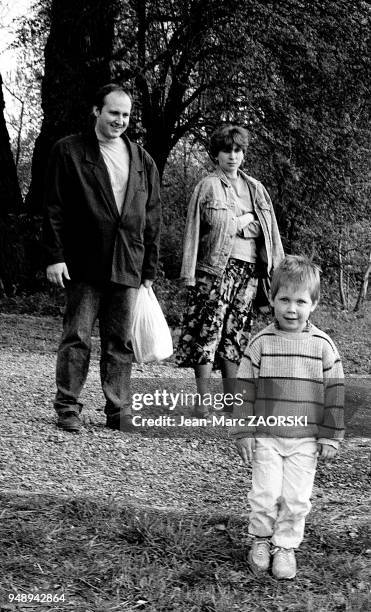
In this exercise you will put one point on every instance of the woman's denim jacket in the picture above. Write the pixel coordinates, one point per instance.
(211, 227)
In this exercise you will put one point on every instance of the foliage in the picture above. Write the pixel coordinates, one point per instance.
(310, 127)
(11, 254)
(24, 113)
(296, 74)
(313, 130)
(185, 60)
(187, 164)
(302, 93)
(10, 195)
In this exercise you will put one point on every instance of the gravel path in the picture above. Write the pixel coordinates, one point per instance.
(140, 467)
(188, 470)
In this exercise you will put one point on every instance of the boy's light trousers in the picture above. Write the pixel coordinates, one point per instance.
(282, 479)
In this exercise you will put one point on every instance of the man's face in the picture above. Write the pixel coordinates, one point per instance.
(292, 308)
(113, 118)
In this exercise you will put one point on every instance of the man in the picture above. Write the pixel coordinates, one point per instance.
(101, 233)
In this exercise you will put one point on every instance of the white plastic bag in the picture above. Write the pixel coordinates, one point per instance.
(151, 336)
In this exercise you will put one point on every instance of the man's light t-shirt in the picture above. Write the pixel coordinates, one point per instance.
(116, 158)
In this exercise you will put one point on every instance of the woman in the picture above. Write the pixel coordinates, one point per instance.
(231, 240)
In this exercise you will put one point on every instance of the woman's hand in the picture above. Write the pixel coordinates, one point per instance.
(243, 221)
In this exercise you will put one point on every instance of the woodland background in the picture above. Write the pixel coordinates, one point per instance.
(295, 73)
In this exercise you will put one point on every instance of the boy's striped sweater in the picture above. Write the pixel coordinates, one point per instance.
(292, 374)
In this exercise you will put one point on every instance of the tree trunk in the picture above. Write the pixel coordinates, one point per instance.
(11, 246)
(363, 288)
(10, 193)
(77, 62)
(157, 143)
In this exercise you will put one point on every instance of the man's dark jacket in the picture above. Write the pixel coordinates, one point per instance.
(83, 227)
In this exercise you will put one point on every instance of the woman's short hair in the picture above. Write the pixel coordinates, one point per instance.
(102, 92)
(297, 271)
(225, 137)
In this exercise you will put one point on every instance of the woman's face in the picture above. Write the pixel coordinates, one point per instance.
(230, 161)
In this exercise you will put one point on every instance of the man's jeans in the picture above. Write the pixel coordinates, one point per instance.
(283, 472)
(113, 304)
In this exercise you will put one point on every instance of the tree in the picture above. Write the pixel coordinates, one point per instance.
(77, 60)
(10, 194)
(295, 73)
(185, 167)
(178, 56)
(363, 286)
(312, 132)
(10, 205)
(187, 60)
(24, 117)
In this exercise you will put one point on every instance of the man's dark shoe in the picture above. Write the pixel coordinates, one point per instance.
(121, 422)
(69, 421)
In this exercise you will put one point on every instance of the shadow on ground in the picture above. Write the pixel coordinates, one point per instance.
(101, 556)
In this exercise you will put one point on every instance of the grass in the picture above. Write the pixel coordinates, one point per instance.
(106, 558)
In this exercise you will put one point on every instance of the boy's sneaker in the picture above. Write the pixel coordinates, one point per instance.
(284, 563)
(260, 555)
(69, 421)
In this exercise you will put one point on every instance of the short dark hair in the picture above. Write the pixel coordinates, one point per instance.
(298, 271)
(225, 137)
(102, 92)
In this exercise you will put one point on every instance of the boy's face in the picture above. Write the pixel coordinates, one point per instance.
(292, 308)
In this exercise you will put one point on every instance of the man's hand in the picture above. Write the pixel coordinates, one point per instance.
(56, 272)
(246, 448)
(326, 452)
(147, 283)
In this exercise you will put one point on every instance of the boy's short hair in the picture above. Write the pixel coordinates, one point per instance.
(225, 137)
(299, 271)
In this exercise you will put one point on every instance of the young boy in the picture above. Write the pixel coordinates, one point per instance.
(291, 378)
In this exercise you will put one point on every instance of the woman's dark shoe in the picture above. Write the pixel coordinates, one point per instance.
(228, 409)
(121, 422)
(199, 413)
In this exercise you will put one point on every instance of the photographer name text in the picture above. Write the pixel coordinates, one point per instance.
(220, 421)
